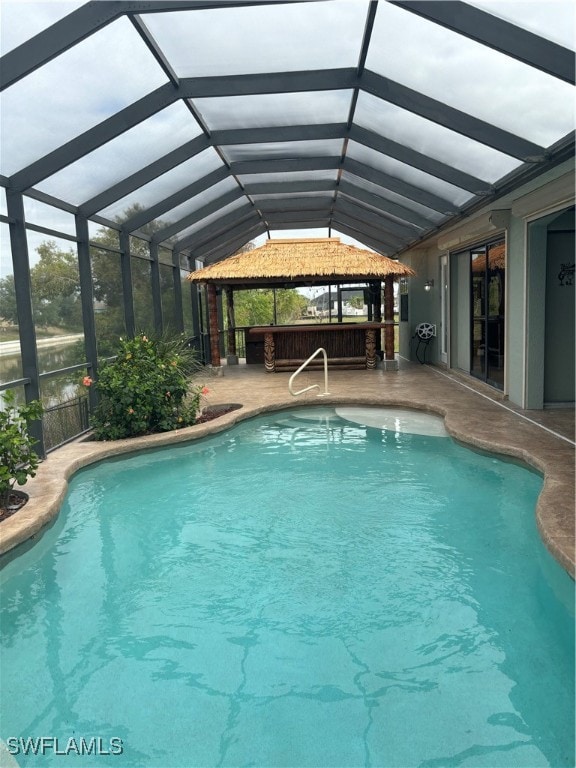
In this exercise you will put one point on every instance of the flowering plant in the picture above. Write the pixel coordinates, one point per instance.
(18, 461)
(146, 389)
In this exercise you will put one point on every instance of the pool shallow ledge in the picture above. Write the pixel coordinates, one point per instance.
(554, 511)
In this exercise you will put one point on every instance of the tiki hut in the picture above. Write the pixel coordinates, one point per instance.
(291, 263)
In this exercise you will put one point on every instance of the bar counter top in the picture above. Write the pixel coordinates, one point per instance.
(260, 329)
(286, 347)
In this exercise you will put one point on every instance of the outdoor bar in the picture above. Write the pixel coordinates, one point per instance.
(306, 263)
(347, 345)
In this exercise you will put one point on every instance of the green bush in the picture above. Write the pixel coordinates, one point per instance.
(18, 461)
(146, 389)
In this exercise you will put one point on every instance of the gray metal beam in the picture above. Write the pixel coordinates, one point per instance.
(195, 307)
(304, 224)
(95, 137)
(55, 202)
(157, 210)
(279, 133)
(381, 203)
(418, 160)
(105, 222)
(23, 291)
(268, 82)
(496, 33)
(144, 175)
(153, 47)
(289, 187)
(50, 232)
(287, 165)
(279, 205)
(452, 118)
(127, 291)
(394, 184)
(87, 302)
(178, 297)
(156, 288)
(365, 47)
(196, 216)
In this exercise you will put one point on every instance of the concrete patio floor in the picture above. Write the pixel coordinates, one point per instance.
(473, 413)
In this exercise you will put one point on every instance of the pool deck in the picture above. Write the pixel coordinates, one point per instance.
(474, 414)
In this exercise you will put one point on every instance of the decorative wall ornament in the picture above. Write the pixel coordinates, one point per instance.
(370, 349)
(269, 349)
(566, 274)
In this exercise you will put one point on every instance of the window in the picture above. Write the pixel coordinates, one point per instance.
(487, 285)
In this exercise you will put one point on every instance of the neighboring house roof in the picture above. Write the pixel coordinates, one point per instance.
(313, 261)
(496, 258)
(323, 298)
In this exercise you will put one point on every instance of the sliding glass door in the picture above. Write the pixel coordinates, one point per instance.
(487, 284)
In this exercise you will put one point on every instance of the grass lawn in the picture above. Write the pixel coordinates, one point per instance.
(10, 333)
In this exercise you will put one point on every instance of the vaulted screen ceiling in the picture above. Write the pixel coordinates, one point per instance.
(226, 120)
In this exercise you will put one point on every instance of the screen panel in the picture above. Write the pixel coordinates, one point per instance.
(559, 26)
(269, 38)
(275, 109)
(431, 139)
(167, 184)
(41, 112)
(123, 155)
(21, 21)
(407, 173)
(471, 77)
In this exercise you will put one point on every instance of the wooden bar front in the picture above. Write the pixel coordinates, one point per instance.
(286, 347)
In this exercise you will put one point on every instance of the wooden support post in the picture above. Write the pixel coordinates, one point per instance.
(389, 317)
(231, 320)
(376, 291)
(213, 326)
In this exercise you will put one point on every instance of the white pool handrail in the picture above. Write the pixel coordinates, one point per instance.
(312, 386)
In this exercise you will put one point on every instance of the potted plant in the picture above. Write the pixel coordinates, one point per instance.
(18, 461)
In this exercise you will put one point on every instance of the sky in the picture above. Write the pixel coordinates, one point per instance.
(113, 68)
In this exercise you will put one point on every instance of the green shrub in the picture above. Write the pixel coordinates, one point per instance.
(18, 461)
(146, 389)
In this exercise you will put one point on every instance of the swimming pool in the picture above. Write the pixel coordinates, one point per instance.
(315, 587)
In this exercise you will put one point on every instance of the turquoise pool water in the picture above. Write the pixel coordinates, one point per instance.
(303, 590)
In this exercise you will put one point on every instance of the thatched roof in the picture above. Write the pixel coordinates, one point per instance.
(496, 258)
(301, 262)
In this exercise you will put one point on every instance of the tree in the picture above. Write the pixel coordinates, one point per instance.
(8, 311)
(256, 306)
(357, 302)
(107, 279)
(55, 288)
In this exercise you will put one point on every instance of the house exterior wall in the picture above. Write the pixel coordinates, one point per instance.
(509, 216)
(516, 338)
